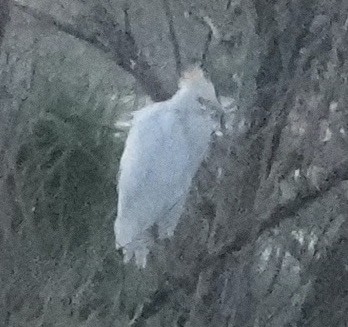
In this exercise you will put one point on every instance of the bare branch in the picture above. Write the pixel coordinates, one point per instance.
(110, 39)
(63, 27)
(334, 178)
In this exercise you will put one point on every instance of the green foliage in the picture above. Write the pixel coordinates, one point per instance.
(66, 160)
(66, 164)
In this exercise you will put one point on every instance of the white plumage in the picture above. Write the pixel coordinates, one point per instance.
(166, 144)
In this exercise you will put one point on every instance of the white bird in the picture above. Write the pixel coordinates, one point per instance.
(165, 146)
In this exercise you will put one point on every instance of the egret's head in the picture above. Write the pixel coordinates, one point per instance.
(194, 80)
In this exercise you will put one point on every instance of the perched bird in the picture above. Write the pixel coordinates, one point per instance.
(165, 146)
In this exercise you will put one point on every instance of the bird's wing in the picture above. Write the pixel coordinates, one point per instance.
(154, 163)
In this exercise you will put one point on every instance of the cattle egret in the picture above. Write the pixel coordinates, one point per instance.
(166, 144)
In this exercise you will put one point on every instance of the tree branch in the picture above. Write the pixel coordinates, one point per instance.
(334, 178)
(111, 40)
(172, 36)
